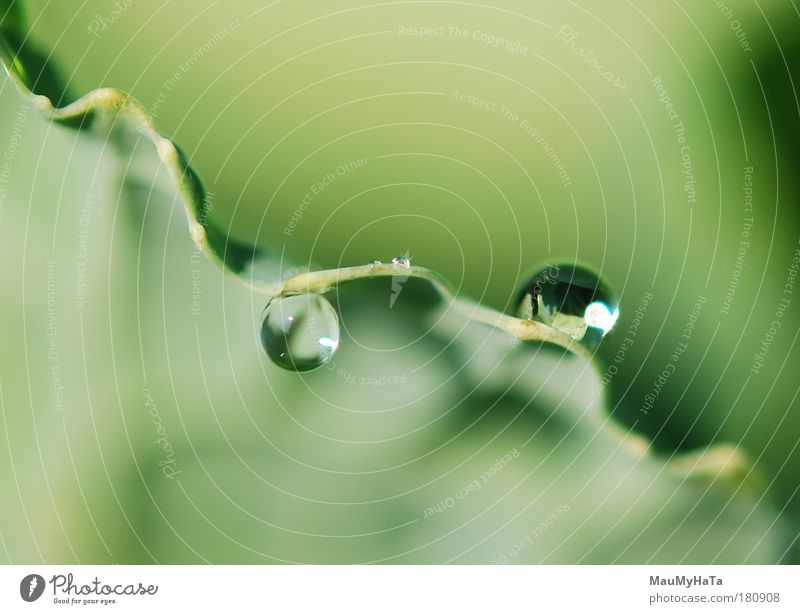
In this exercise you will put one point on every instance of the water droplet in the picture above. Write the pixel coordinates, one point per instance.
(570, 299)
(404, 261)
(300, 332)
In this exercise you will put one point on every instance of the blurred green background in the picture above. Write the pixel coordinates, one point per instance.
(483, 140)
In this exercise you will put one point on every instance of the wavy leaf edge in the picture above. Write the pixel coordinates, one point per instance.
(719, 461)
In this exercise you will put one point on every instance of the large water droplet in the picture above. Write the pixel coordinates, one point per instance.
(300, 332)
(570, 299)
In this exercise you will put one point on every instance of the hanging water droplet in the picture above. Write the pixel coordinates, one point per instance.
(404, 261)
(300, 332)
(570, 299)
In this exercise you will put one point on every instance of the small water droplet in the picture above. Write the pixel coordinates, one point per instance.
(300, 332)
(571, 299)
(404, 261)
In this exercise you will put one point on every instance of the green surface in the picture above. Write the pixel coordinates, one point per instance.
(340, 465)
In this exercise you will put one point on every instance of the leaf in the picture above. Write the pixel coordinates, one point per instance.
(275, 467)
(118, 117)
(32, 68)
(391, 453)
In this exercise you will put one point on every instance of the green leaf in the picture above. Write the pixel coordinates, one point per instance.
(118, 118)
(331, 467)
